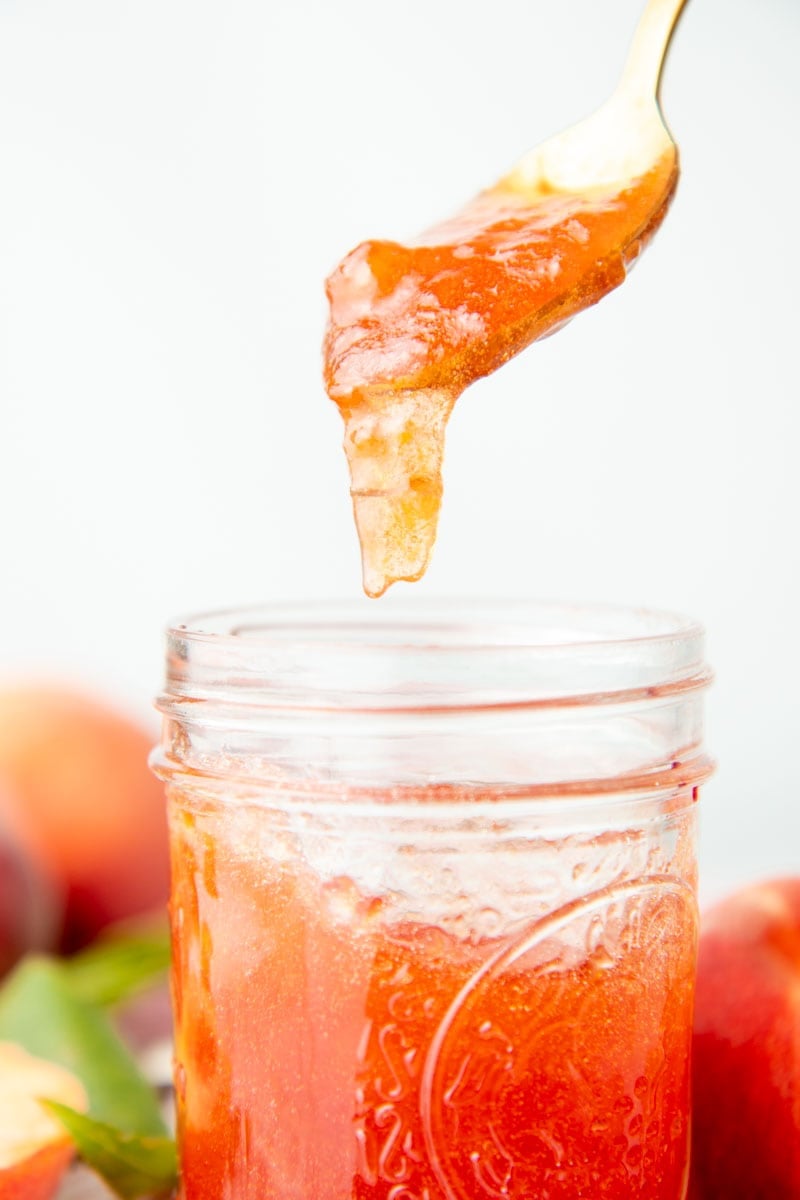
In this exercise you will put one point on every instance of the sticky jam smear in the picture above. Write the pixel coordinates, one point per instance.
(411, 326)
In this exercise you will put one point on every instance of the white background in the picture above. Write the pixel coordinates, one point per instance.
(176, 179)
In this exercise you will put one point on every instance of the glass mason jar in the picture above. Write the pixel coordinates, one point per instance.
(433, 900)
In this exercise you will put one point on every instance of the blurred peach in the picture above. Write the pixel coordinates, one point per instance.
(35, 1151)
(30, 908)
(79, 795)
(746, 1070)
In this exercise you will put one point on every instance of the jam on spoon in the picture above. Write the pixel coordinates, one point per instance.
(412, 325)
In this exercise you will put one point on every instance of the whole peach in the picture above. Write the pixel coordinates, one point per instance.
(746, 1073)
(79, 795)
(30, 909)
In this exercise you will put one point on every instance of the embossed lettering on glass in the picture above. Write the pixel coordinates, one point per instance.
(433, 903)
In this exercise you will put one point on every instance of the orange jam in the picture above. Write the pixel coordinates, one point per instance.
(411, 326)
(327, 1050)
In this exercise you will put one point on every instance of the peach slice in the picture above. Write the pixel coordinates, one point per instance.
(35, 1150)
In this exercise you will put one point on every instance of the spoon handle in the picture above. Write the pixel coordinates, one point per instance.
(641, 76)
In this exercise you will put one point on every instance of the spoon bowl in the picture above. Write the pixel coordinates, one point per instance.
(625, 138)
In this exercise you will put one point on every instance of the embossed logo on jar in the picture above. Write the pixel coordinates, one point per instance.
(390, 1148)
(562, 1062)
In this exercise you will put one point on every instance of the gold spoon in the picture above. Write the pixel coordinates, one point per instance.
(412, 325)
(625, 137)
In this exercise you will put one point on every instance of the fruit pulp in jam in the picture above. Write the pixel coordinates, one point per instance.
(328, 1048)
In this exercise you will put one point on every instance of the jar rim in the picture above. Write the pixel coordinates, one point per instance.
(424, 654)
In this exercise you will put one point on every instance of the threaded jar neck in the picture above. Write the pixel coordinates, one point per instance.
(422, 695)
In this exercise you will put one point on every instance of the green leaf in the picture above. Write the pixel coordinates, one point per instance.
(116, 967)
(40, 1011)
(131, 1166)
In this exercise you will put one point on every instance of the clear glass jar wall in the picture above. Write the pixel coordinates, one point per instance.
(433, 904)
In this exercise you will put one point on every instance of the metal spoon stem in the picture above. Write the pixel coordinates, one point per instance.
(642, 72)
